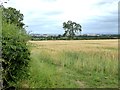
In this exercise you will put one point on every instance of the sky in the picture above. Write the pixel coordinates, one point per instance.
(47, 16)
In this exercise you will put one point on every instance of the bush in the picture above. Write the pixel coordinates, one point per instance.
(15, 54)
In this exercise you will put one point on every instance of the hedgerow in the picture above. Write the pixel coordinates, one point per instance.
(15, 54)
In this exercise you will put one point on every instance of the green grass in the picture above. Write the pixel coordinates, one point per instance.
(53, 67)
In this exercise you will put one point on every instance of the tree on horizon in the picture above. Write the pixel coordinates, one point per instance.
(71, 28)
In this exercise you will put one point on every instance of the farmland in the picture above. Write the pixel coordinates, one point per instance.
(73, 64)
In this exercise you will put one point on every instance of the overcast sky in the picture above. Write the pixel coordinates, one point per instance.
(47, 16)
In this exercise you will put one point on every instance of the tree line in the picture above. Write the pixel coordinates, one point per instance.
(79, 37)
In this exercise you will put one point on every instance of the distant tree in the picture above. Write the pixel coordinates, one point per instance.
(59, 36)
(71, 28)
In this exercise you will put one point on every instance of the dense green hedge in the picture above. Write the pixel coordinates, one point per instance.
(15, 54)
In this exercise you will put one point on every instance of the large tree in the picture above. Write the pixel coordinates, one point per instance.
(71, 28)
(13, 16)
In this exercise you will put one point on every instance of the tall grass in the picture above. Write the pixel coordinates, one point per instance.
(73, 64)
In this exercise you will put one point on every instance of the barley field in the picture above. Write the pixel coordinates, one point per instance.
(73, 64)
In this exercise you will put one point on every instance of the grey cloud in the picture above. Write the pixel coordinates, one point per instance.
(43, 30)
(109, 18)
(53, 13)
(102, 24)
(104, 2)
(43, 21)
(107, 23)
(100, 27)
(41, 25)
(48, 0)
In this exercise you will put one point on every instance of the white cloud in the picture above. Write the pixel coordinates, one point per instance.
(42, 12)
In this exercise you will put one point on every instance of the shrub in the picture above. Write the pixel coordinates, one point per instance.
(15, 54)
